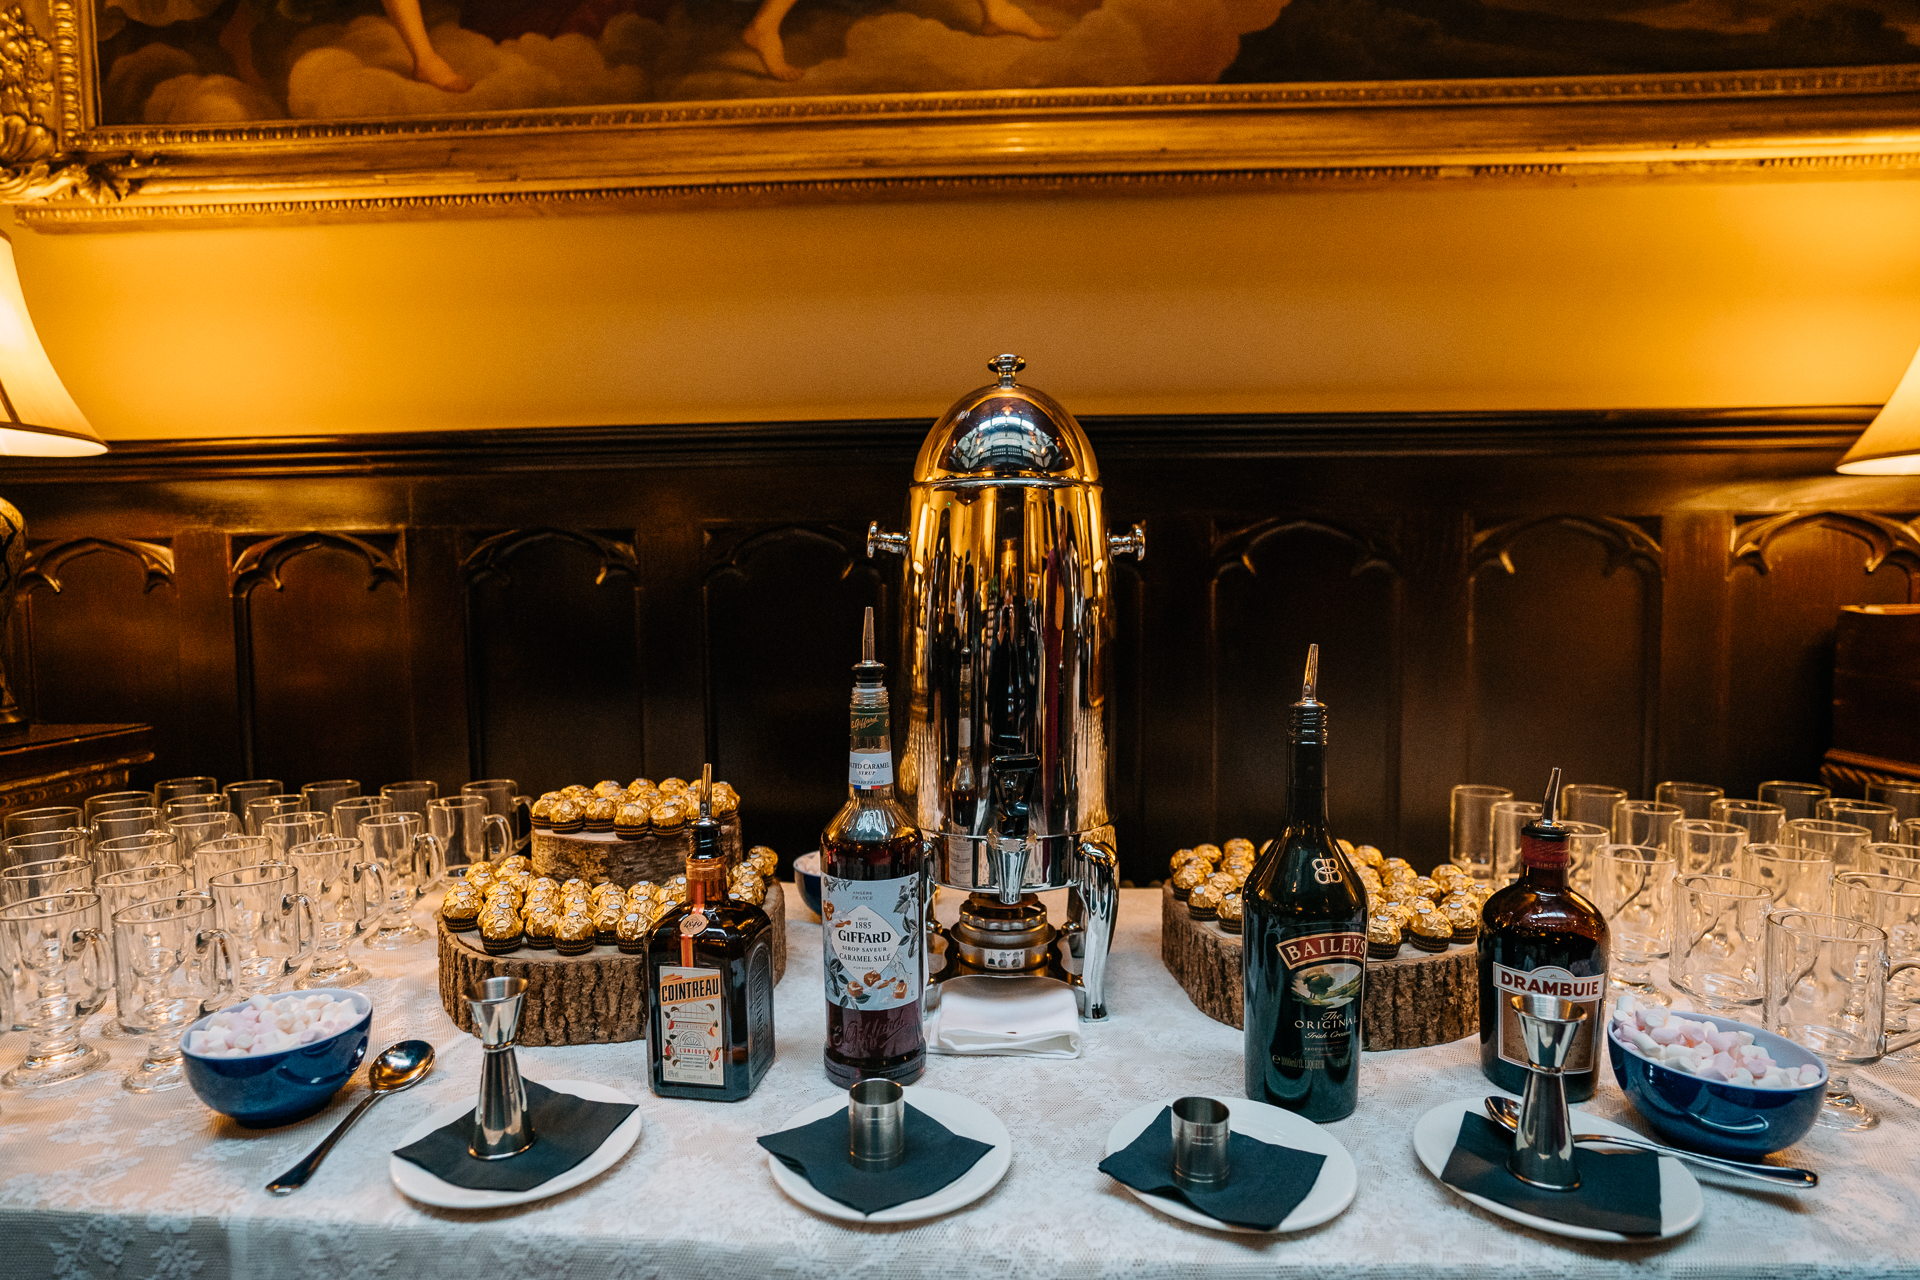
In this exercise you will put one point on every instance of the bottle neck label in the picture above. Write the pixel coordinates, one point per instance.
(866, 769)
(872, 932)
(1543, 855)
(870, 759)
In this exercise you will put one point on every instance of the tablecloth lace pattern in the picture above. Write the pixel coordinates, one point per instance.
(97, 1183)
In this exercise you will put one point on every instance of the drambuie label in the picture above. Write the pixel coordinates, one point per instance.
(1547, 982)
(1314, 948)
(1560, 984)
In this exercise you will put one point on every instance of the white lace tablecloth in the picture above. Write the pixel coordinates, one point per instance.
(97, 1182)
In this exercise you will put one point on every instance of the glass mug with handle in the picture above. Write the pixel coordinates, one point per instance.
(1879, 819)
(186, 806)
(322, 796)
(1762, 821)
(1892, 904)
(240, 794)
(142, 849)
(351, 812)
(348, 895)
(1633, 887)
(1703, 847)
(412, 796)
(54, 959)
(129, 887)
(410, 859)
(285, 832)
(503, 798)
(170, 965)
(174, 788)
(228, 853)
(270, 923)
(1508, 816)
(1590, 802)
(261, 808)
(1718, 937)
(112, 801)
(1903, 796)
(1470, 817)
(1827, 992)
(42, 846)
(1694, 798)
(468, 831)
(1797, 798)
(26, 880)
(59, 817)
(195, 829)
(116, 823)
(1799, 879)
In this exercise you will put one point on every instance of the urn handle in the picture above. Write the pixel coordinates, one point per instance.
(891, 543)
(1132, 543)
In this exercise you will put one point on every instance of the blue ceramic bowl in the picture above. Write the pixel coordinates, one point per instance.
(806, 874)
(279, 1088)
(1713, 1116)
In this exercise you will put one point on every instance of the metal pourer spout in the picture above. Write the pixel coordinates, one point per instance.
(1550, 807)
(868, 673)
(1312, 679)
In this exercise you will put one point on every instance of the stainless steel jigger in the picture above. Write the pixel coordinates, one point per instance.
(876, 1125)
(1200, 1138)
(1543, 1144)
(501, 1127)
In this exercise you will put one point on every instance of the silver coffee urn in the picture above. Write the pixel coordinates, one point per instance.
(1008, 620)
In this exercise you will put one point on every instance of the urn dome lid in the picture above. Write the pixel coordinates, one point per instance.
(1006, 431)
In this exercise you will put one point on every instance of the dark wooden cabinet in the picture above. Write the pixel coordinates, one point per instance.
(1634, 596)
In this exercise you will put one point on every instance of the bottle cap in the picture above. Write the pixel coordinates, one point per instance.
(868, 673)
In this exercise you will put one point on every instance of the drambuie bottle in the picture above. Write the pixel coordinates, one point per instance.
(1539, 937)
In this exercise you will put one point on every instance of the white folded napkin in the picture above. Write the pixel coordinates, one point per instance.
(1027, 1016)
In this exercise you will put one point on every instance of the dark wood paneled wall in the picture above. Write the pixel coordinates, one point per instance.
(1632, 595)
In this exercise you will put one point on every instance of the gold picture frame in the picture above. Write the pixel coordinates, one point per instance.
(66, 169)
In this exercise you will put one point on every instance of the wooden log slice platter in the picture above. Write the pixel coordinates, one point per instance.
(596, 998)
(1418, 998)
(601, 856)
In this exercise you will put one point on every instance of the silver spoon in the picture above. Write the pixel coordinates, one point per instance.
(1506, 1113)
(400, 1067)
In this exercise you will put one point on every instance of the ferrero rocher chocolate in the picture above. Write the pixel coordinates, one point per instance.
(1211, 852)
(1238, 847)
(575, 934)
(642, 889)
(1180, 858)
(630, 935)
(1232, 912)
(516, 863)
(500, 932)
(461, 908)
(674, 890)
(479, 875)
(606, 920)
(630, 819)
(1187, 877)
(1430, 929)
(541, 926)
(764, 861)
(608, 789)
(669, 816)
(599, 814)
(725, 804)
(642, 784)
(1225, 882)
(673, 786)
(1463, 913)
(1203, 902)
(1368, 856)
(542, 813)
(749, 889)
(566, 815)
(1396, 868)
(608, 892)
(1383, 936)
(1427, 888)
(543, 884)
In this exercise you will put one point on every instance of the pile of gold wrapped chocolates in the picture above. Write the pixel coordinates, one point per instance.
(1433, 911)
(631, 810)
(1209, 877)
(513, 908)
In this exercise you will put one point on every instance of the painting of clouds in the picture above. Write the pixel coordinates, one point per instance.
(231, 61)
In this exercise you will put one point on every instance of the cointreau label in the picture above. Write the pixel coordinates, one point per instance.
(692, 1029)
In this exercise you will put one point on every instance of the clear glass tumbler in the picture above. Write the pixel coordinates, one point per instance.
(1799, 879)
(1703, 847)
(1797, 798)
(348, 895)
(269, 921)
(1470, 845)
(1879, 819)
(1892, 904)
(1718, 934)
(170, 965)
(1827, 992)
(53, 958)
(1694, 798)
(1762, 821)
(1644, 822)
(58, 817)
(1588, 802)
(1508, 817)
(1633, 887)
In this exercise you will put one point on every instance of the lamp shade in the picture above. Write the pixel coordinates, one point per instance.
(1890, 446)
(37, 416)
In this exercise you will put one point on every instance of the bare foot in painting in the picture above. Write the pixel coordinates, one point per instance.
(1002, 17)
(763, 37)
(428, 66)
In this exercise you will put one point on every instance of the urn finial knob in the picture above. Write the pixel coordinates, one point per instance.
(1006, 366)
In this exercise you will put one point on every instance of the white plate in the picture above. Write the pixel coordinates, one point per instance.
(1332, 1191)
(962, 1115)
(1680, 1201)
(417, 1184)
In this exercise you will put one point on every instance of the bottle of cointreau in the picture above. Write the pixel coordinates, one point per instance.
(1306, 942)
(1539, 937)
(873, 905)
(709, 981)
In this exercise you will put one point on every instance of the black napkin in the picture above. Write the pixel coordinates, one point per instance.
(1265, 1182)
(566, 1130)
(1618, 1192)
(936, 1157)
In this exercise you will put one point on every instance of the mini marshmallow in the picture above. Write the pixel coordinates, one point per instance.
(265, 1025)
(1703, 1049)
